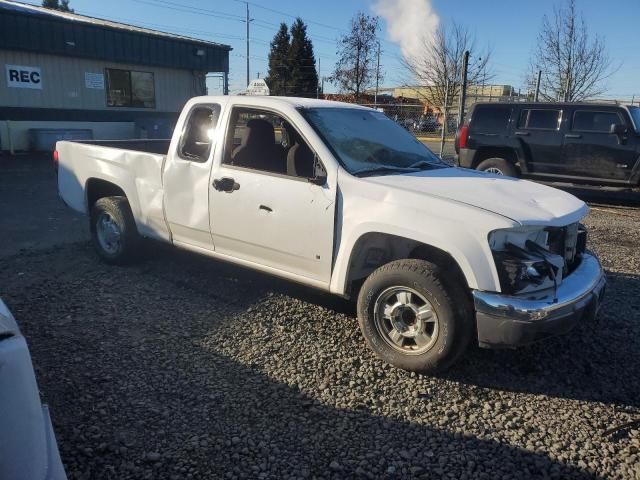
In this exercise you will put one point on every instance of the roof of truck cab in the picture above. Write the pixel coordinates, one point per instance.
(266, 101)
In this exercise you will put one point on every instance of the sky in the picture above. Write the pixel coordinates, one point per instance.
(509, 28)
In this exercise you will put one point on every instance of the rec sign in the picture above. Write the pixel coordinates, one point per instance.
(19, 76)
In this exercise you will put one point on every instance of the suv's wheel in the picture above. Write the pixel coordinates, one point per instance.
(410, 319)
(113, 230)
(499, 166)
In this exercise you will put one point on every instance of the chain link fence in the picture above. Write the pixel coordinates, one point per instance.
(432, 125)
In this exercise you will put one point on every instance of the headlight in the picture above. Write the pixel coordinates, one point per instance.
(522, 274)
(523, 262)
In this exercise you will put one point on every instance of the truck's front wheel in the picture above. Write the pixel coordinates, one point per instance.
(412, 318)
(113, 230)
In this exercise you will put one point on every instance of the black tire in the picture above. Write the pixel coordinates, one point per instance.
(448, 298)
(118, 211)
(505, 167)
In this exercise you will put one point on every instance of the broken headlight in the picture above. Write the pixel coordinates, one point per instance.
(523, 261)
(521, 272)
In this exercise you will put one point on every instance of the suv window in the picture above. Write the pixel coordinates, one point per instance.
(540, 119)
(263, 140)
(594, 121)
(195, 144)
(490, 119)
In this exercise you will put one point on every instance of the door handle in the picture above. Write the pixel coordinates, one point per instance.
(522, 134)
(265, 208)
(572, 135)
(225, 184)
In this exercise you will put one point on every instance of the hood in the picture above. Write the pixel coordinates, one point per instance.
(525, 202)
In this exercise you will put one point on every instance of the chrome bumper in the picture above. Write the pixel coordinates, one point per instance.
(511, 321)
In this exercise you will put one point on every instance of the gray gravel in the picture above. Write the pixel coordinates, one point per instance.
(183, 367)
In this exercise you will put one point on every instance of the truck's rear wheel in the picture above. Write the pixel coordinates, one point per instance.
(113, 230)
(499, 166)
(410, 319)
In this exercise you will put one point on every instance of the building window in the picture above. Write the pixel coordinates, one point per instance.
(126, 88)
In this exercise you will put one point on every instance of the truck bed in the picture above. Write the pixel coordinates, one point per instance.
(132, 167)
(148, 145)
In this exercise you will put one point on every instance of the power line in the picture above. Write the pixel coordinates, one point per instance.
(280, 12)
(188, 9)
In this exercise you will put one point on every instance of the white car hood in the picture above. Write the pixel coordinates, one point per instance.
(522, 201)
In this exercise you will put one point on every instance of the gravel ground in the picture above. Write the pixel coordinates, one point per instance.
(183, 367)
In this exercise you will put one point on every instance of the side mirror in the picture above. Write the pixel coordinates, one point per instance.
(319, 173)
(617, 129)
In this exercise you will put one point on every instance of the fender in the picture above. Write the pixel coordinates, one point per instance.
(472, 255)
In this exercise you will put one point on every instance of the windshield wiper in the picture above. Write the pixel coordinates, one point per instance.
(384, 169)
(415, 167)
(425, 163)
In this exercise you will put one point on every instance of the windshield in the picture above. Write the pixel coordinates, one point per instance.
(635, 114)
(367, 141)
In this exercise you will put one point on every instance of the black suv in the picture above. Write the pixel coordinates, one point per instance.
(588, 143)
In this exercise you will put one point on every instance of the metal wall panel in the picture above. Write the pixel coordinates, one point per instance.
(42, 32)
(63, 84)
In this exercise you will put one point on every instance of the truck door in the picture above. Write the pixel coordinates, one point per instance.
(186, 177)
(538, 131)
(595, 152)
(264, 208)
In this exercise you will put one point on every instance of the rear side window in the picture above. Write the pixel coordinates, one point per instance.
(197, 137)
(594, 121)
(490, 119)
(540, 119)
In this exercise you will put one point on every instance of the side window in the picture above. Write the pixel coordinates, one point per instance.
(540, 119)
(594, 121)
(490, 119)
(522, 119)
(265, 141)
(197, 137)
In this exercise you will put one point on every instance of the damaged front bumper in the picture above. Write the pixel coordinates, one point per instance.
(511, 321)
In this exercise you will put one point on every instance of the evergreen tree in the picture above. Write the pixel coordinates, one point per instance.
(303, 80)
(62, 5)
(278, 75)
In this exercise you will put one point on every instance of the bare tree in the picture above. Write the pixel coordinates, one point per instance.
(574, 63)
(356, 66)
(440, 62)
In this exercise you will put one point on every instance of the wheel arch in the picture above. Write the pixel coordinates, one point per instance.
(97, 188)
(374, 249)
(510, 154)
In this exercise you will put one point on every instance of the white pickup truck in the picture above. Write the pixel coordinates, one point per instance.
(339, 197)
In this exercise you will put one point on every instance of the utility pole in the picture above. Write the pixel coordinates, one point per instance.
(567, 94)
(318, 83)
(463, 89)
(247, 20)
(375, 97)
(537, 94)
(444, 117)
